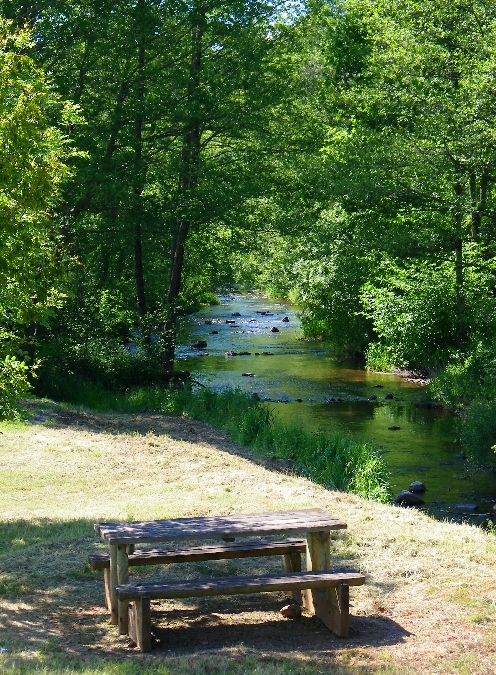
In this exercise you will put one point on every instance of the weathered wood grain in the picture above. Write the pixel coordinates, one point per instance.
(257, 524)
(335, 617)
(244, 549)
(318, 558)
(122, 578)
(140, 623)
(111, 597)
(195, 588)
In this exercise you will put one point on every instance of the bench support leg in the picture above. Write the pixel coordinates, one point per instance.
(332, 606)
(107, 586)
(122, 578)
(291, 562)
(140, 623)
(112, 583)
(318, 551)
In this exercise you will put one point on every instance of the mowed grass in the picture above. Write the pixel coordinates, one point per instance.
(428, 605)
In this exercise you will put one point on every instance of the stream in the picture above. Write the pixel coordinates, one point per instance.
(305, 381)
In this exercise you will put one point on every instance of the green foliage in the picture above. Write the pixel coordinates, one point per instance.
(104, 363)
(33, 166)
(322, 270)
(34, 152)
(467, 377)
(478, 433)
(412, 310)
(176, 138)
(468, 385)
(14, 384)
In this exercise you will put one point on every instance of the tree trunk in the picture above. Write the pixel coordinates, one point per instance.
(461, 334)
(475, 215)
(478, 203)
(138, 185)
(138, 272)
(187, 184)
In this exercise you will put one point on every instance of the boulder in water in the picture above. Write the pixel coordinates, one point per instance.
(407, 498)
(417, 486)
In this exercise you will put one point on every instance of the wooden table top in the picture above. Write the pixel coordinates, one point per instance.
(206, 527)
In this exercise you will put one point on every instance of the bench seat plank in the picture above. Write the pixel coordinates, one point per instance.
(238, 584)
(335, 598)
(243, 549)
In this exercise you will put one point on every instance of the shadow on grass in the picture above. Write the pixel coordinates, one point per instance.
(175, 427)
(52, 610)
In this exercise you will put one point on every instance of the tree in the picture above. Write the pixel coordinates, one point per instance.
(33, 165)
(175, 96)
(408, 155)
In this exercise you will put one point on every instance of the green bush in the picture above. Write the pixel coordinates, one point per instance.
(468, 385)
(467, 377)
(108, 365)
(13, 385)
(478, 433)
(413, 313)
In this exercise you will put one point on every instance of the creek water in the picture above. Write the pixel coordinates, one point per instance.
(305, 381)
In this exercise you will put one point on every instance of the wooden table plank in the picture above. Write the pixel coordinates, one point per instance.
(245, 525)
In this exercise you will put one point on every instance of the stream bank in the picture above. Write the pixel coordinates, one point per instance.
(256, 344)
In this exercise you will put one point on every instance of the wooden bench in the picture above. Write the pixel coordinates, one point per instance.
(289, 549)
(140, 595)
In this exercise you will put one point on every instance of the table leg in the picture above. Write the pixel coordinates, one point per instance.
(331, 605)
(291, 562)
(122, 578)
(112, 597)
(318, 551)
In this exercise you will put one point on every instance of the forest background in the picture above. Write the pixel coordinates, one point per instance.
(340, 154)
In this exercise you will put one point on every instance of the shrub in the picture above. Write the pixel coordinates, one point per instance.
(478, 433)
(413, 313)
(13, 385)
(467, 377)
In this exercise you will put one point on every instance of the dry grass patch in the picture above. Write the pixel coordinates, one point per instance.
(428, 605)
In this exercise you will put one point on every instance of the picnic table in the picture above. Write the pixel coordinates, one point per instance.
(325, 594)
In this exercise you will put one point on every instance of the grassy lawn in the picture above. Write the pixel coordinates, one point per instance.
(428, 605)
